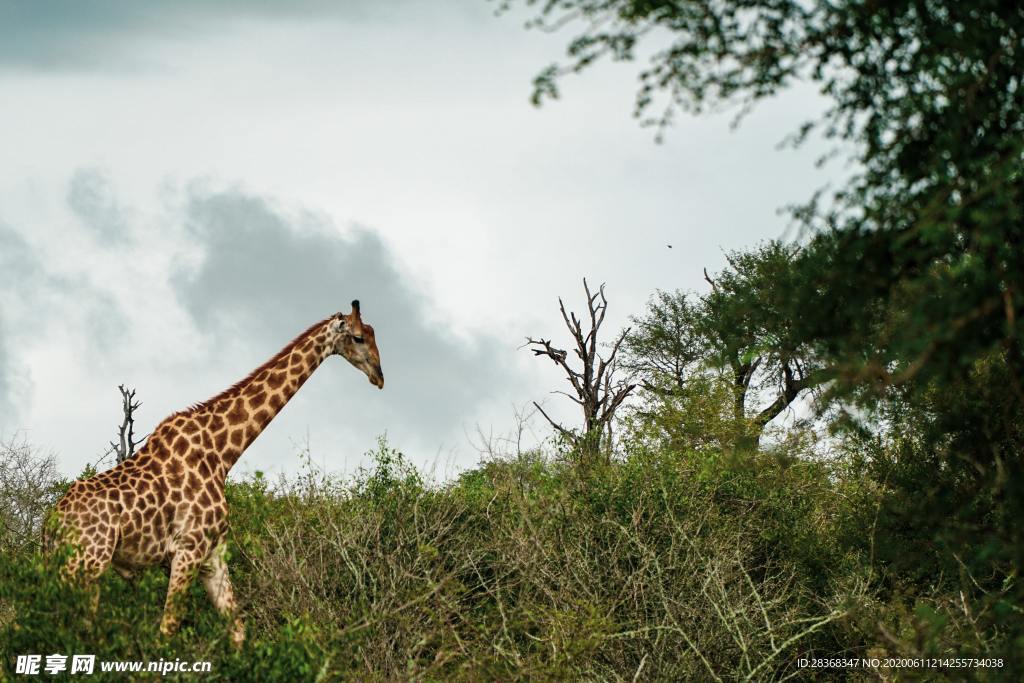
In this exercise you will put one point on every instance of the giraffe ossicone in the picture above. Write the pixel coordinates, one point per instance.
(166, 505)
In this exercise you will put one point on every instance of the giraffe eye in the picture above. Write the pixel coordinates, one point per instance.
(357, 340)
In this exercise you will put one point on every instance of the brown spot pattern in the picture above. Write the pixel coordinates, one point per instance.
(168, 500)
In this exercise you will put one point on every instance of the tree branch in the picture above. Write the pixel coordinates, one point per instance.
(597, 392)
(124, 448)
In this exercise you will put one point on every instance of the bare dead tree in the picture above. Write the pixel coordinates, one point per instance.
(598, 392)
(28, 480)
(124, 448)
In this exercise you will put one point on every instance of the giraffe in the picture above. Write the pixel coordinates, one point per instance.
(166, 504)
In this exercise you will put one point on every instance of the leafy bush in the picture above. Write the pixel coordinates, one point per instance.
(666, 565)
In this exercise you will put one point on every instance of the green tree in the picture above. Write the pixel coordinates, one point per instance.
(917, 266)
(735, 342)
(911, 284)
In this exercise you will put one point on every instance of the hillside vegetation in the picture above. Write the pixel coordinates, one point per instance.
(665, 564)
(820, 456)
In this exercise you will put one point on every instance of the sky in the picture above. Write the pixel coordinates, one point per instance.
(184, 187)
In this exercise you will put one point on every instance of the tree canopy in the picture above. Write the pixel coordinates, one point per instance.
(906, 287)
(737, 336)
(916, 263)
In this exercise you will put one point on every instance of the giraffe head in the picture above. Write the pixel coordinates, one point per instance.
(353, 339)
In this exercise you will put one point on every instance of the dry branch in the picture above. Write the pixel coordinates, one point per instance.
(124, 448)
(597, 391)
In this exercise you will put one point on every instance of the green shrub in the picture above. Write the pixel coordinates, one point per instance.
(665, 564)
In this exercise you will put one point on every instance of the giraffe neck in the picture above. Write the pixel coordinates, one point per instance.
(248, 407)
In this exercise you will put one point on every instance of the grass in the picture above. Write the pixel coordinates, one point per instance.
(660, 566)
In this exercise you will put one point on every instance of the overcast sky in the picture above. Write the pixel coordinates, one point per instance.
(184, 187)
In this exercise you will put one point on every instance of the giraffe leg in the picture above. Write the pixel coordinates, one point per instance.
(214, 574)
(183, 570)
(89, 561)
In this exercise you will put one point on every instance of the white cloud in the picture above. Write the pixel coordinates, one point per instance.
(237, 278)
(411, 120)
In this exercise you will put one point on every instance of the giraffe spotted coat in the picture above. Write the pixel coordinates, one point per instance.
(166, 506)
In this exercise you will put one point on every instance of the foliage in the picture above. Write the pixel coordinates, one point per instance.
(915, 271)
(724, 364)
(949, 459)
(908, 288)
(699, 553)
(28, 487)
(675, 564)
